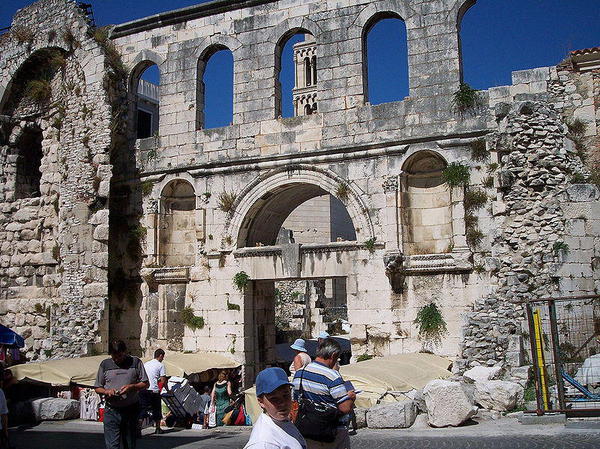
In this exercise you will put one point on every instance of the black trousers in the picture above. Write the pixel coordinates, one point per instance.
(120, 426)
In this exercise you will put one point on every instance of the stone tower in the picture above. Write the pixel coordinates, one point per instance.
(305, 67)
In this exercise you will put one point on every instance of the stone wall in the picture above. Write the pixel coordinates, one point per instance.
(244, 179)
(53, 251)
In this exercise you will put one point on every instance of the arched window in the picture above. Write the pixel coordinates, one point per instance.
(28, 152)
(489, 54)
(215, 88)
(295, 65)
(177, 244)
(426, 206)
(307, 72)
(385, 59)
(147, 96)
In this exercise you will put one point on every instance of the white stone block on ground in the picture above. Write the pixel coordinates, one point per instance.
(498, 394)
(395, 415)
(48, 409)
(479, 373)
(447, 403)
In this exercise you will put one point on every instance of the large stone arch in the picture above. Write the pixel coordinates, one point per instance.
(301, 184)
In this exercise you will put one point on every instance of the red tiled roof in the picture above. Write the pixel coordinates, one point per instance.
(585, 51)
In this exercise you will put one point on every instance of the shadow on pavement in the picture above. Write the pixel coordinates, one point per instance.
(23, 439)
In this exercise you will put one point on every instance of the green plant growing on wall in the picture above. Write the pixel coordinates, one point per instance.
(475, 199)
(70, 39)
(39, 91)
(560, 247)
(151, 154)
(232, 306)
(492, 167)
(488, 182)
(225, 201)
(474, 237)
(576, 127)
(138, 232)
(233, 340)
(240, 280)
(38, 308)
(432, 326)
(190, 319)
(342, 191)
(370, 244)
(228, 240)
(578, 178)
(363, 357)
(479, 150)
(456, 174)
(466, 99)
(22, 34)
(147, 187)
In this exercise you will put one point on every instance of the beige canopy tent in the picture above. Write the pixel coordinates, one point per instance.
(82, 371)
(376, 377)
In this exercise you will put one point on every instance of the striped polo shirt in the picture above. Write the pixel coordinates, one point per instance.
(321, 384)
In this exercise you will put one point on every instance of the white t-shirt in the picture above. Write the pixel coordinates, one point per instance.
(3, 407)
(270, 434)
(154, 370)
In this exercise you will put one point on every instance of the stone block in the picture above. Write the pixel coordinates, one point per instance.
(482, 373)
(448, 404)
(397, 415)
(50, 409)
(498, 394)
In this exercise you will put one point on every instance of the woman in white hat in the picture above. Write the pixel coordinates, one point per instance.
(301, 359)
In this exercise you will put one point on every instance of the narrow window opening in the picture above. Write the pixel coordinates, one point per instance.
(385, 67)
(296, 65)
(148, 102)
(28, 163)
(215, 88)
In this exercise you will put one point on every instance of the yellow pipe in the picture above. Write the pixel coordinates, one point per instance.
(539, 344)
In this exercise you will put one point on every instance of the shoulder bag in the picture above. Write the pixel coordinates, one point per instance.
(316, 420)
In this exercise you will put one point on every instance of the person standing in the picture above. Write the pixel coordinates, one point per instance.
(221, 396)
(204, 407)
(120, 378)
(323, 384)
(150, 398)
(3, 414)
(273, 430)
(301, 359)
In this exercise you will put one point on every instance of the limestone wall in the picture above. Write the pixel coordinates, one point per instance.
(53, 251)
(242, 181)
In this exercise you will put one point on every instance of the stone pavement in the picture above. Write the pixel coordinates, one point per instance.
(502, 434)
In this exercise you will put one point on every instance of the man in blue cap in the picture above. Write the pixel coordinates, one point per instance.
(273, 429)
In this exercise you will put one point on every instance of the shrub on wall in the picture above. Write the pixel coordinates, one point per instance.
(456, 174)
(191, 320)
(240, 280)
(432, 326)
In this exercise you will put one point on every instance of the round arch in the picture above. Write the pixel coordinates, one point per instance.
(269, 199)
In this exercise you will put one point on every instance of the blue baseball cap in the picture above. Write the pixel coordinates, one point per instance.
(270, 379)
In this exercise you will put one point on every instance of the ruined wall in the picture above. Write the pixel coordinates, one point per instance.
(53, 251)
(247, 177)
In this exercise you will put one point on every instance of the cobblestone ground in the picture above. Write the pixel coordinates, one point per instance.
(510, 435)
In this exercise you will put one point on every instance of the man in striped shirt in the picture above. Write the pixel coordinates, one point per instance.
(321, 383)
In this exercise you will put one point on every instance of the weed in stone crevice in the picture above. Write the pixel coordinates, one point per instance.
(146, 187)
(466, 100)
(488, 182)
(431, 323)
(22, 34)
(474, 237)
(370, 244)
(475, 199)
(479, 150)
(190, 319)
(226, 201)
(39, 90)
(240, 280)
(232, 306)
(560, 247)
(342, 191)
(492, 167)
(456, 174)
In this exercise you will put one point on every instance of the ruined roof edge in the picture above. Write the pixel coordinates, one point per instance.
(182, 15)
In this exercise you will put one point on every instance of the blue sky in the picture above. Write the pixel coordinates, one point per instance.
(498, 36)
